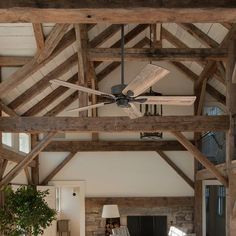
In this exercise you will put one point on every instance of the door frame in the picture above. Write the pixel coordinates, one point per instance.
(80, 185)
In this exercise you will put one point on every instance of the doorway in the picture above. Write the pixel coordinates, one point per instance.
(214, 209)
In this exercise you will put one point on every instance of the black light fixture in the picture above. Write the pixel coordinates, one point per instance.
(151, 110)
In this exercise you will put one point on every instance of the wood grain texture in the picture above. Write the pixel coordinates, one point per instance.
(167, 54)
(110, 146)
(14, 61)
(39, 36)
(87, 11)
(113, 124)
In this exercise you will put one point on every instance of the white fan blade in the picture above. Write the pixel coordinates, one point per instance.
(145, 79)
(80, 88)
(168, 100)
(132, 111)
(79, 109)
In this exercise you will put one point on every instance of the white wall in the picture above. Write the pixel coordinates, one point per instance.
(123, 173)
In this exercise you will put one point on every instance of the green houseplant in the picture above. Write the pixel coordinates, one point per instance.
(25, 212)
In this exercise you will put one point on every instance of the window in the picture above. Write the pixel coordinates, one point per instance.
(58, 199)
(7, 139)
(24, 143)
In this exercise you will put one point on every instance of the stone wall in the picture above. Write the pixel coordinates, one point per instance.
(179, 211)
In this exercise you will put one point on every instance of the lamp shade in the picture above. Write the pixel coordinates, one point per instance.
(110, 211)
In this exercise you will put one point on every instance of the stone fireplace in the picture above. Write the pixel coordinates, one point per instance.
(178, 211)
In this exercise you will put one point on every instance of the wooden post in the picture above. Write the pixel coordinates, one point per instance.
(230, 139)
(35, 170)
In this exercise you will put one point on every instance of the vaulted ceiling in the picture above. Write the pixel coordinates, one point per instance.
(27, 90)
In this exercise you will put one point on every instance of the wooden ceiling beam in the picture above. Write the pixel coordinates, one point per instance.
(13, 156)
(67, 159)
(50, 98)
(52, 41)
(112, 66)
(167, 54)
(200, 157)
(127, 38)
(86, 11)
(26, 161)
(216, 94)
(110, 146)
(113, 124)
(199, 35)
(176, 168)
(42, 84)
(62, 105)
(39, 36)
(14, 61)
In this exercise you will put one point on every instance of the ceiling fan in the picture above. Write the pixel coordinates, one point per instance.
(125, 96)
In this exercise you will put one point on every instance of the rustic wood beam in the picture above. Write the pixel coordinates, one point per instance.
(82, 47)
(167, 54)
(7, 109)
(50, 98)
(176, 168)
(62, 105)
(26, 161)
(14, 61)
(199, 35)
(3, 167)
(13, 156)
(216, 94)
(230, 139)
(200, 157)
(33, 66)
(39, 36)
(113, 124)
(127, 38)
(112, 66)
(105, 35)
(52, 41)
(58, 168)
(206, 174)
(110, 146)
(35, 170)
(42, 84)
(28, 176)
(117, 12)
